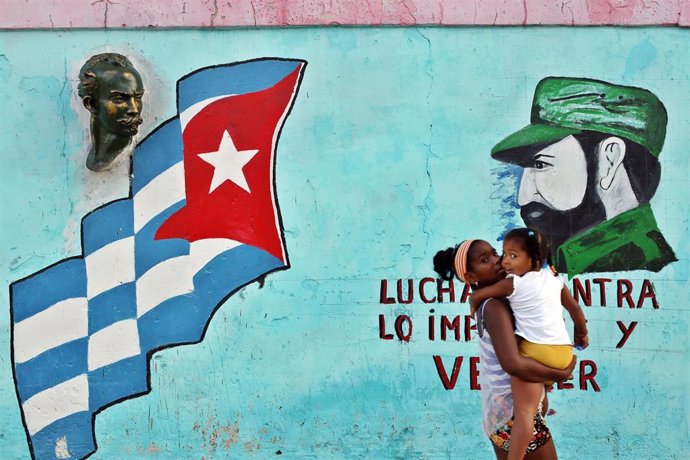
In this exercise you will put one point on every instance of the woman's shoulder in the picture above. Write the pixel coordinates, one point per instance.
(495, 316)
(495, 303)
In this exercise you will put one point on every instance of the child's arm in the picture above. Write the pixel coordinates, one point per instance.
(503, 288)
(577, 315)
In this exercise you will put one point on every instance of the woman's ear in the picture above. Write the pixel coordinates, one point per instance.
(471, 278)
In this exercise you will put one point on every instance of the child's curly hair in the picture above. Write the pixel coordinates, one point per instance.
(534, 244)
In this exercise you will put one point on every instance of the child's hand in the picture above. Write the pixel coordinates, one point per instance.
(581, 341)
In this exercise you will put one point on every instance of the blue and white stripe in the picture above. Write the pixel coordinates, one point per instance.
(83, 328)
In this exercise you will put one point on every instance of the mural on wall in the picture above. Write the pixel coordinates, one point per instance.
(358, 350)
(590, 165)
(112, 90)
(202, 221)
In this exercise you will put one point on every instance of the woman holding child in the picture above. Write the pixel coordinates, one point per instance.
(476, 262)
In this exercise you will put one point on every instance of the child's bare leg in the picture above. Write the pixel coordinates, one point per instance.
(526, 397)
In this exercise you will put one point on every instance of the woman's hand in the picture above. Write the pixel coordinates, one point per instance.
(561, 375)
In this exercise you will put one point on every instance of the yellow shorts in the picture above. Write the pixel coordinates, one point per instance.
(556, 356)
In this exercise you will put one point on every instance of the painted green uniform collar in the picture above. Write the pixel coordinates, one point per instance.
(582, 253)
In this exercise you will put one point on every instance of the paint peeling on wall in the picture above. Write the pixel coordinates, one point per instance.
(391, 145)
(249, 13)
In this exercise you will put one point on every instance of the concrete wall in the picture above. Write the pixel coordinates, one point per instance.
(250, 13)
(383, 160)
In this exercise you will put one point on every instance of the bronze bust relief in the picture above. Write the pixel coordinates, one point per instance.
(111, 89)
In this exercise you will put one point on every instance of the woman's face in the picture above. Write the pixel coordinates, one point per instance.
(484, 264)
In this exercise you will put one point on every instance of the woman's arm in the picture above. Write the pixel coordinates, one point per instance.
(501, 289)
(499, 323)
(578, 316)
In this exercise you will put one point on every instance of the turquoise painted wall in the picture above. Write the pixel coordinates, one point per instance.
(383, 161)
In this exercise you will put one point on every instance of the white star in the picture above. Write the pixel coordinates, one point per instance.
(228, 163)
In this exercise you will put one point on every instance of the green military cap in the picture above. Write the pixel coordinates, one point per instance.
(564, 106)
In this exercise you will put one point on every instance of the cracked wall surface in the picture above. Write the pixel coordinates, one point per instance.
(384, 160)
(248, 13)
(390, 136)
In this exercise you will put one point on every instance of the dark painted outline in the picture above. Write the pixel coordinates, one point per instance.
(150, 353)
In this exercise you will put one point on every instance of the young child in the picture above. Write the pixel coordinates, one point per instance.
(536, 294)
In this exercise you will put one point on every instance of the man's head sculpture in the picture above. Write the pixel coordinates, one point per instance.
(111, 89)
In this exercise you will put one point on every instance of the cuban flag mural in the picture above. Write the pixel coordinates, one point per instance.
(201, 221)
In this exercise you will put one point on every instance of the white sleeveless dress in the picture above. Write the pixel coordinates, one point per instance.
(497, 396)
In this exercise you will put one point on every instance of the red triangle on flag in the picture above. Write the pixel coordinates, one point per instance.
(223, 208)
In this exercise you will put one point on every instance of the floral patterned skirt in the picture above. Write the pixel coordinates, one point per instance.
(501, 437)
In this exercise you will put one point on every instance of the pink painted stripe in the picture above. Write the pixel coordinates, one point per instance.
(23, 14)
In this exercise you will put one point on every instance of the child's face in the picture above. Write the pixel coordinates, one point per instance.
(515, 259)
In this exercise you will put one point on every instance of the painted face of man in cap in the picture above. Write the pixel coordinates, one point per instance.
(581, 157)
(561, 195)
(548, 178)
